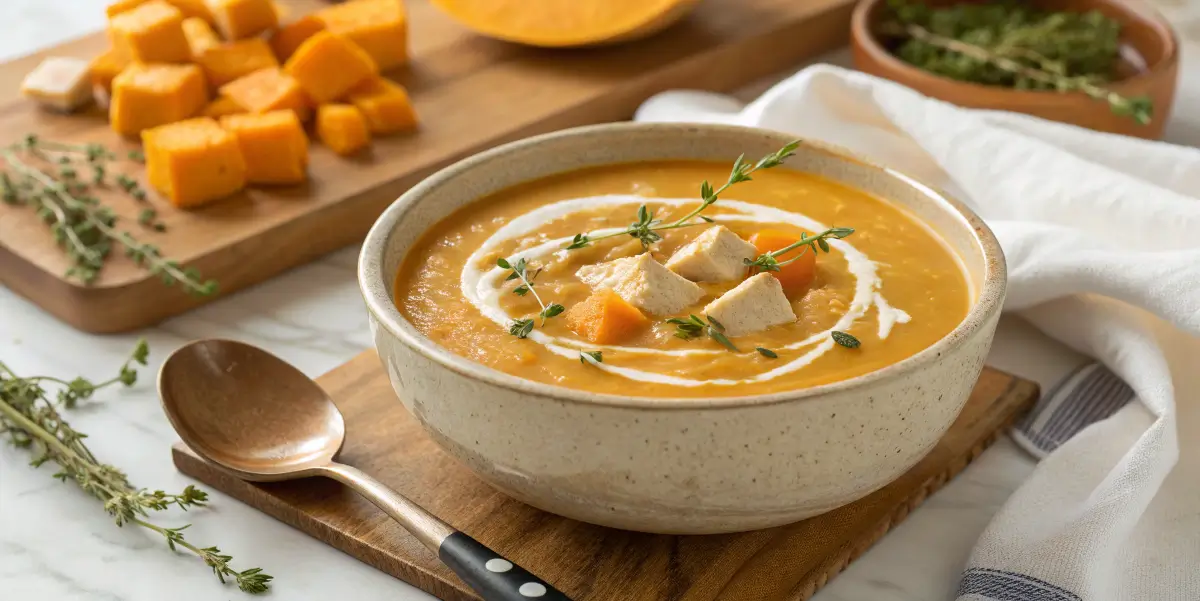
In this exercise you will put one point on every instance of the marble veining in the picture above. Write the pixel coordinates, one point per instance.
(57, 543)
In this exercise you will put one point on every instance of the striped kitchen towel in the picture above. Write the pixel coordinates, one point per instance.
(1088, 395)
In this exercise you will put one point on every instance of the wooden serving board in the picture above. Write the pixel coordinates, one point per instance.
(471, 93)
(588, 563)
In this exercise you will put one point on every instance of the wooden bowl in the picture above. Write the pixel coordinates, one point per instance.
(1143, 31)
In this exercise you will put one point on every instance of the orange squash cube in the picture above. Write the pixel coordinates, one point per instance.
(795, 276)
(189, 8)
(239, 19)
(145, 96)
(200, 36)
(273, 145)
(106, 67)
(286, 40)
(327, 66)
(227, 62)
(605, 318)
(342, 128)
(377, 26)
(268, 90)
(121, 6)
(193, 162)
(150, 33)
(221, 107)
(385, 105)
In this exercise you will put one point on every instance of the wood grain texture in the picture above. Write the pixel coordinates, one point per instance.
(471, 93)
(589, 563)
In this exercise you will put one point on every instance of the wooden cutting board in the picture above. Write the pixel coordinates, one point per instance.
(588, 563)
(471, 93)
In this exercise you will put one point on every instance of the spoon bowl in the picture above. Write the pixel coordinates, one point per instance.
(250, 411)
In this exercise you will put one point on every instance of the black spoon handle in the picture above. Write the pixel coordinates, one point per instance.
(492, 576)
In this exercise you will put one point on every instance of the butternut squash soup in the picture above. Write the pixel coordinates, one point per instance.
(644, 279)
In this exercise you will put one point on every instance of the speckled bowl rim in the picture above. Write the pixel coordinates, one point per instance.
(375, 285)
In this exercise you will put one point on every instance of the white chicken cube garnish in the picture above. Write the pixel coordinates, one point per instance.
(58, 82)
(754, 305)
(716, 255)
(643, 283)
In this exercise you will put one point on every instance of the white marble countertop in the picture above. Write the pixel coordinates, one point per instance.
(57, 543)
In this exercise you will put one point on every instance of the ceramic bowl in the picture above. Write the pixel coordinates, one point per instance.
(677, 465)
(1144, 32)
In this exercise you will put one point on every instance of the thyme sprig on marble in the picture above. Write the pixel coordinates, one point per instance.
(30, 420)
(86, 230)
(521, 328)
(1014, 45)
(693, 327)
(818, 243)
(645, 229)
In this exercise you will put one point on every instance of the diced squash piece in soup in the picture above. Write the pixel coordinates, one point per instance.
(342, 128)
(193, 162)
(221, 107)
(240, 19)
(753, 306)
(273, 145)
(644, 283)
(716, 255)
(200, 36)
(60, 83)
(385, 105)
(378, 26)
(268, 90)
(226, 62)
(287, 39)
(605, 318)
(150, 33)
(327, 66)
(146, 96)
(105, 68)
(795, 276)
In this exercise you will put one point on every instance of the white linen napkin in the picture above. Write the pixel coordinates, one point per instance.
(1102, 236)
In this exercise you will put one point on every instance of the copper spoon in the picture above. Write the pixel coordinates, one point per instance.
(258, 417)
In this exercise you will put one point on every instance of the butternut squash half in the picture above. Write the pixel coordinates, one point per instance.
(565, 23)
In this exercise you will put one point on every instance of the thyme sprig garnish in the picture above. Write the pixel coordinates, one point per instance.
(31, 421)
(591, 357)
(693, 326)
(844, 339)
(818, 243)
(521, 328)
(85, 229)
(645, 229)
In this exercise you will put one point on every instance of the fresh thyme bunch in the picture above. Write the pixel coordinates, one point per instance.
(31, 421)
(1010, 44)
(86, 230)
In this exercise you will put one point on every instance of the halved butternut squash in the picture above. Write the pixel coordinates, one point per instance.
(564, 23)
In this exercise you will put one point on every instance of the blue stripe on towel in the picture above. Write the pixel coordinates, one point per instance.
(1010, 586)
(1089, 394)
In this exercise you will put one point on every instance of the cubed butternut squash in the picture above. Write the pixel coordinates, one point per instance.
(149, 95)
(121, 6)
(240, 19)
(287, 39)
(605, 318)
(378, 26)
(327, 66)
(150, 33)
(221, 107)
(273, 145)
(104, 68)
(795, 276)
(342, 128)
(227, 62)
(385, 105)
(268, 90)
(189, 8)
(193, 162)
(200, 36)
